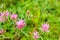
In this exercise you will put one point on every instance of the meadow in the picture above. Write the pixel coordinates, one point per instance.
(29, 19)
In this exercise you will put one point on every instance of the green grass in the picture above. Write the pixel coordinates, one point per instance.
(41, 10)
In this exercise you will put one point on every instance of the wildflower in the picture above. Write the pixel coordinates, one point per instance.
(1, 14)
(1, 17)
(45, 27)
(20, 24)
(1, 31)
(35, 35)
(14, 16)
(28, 12)
(6, 13)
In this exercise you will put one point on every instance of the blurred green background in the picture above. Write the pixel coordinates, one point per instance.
(41, 11)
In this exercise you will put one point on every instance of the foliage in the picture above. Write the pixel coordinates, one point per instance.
(41, 11)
